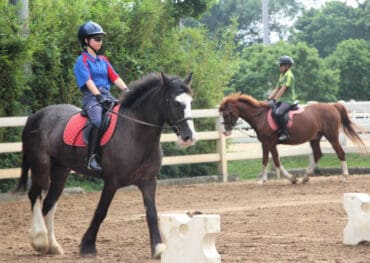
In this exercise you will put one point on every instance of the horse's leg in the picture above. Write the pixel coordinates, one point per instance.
(38, 233)
(88, 246)
(58, 178)
(316, 151)
(265, 158)
(340, 154)
(279, 167)
(148, 190)
(40, 181)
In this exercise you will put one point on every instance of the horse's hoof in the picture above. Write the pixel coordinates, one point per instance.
(40, 242)
(87, 250)
(343, 178)
(55, 249)
(305, 180)
(261, 182)
(294, 180)
(159, 249)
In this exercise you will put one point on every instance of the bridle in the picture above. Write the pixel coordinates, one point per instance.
(233, 123)
(173, 124)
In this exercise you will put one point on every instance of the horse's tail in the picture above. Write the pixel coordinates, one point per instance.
(350, 127)
(22, 184)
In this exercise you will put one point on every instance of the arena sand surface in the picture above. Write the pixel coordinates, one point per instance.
(277, 222)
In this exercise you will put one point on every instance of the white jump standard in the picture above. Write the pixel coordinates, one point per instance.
(190, 240)
(357, 206)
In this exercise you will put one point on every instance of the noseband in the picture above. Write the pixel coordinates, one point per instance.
(174, 124)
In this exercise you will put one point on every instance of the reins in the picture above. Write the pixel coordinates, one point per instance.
(172, 123)
(244, 130)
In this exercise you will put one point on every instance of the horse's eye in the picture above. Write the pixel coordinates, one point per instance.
(178, 104)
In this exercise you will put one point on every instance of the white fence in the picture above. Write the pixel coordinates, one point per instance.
(359, 111)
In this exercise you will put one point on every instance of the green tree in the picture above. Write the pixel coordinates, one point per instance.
(259, 72)
(352, 59)
(249, 17)
(325, 28)
(187, 8)
(13, 58)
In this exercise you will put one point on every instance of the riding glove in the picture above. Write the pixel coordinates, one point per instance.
(271, 102)
(103, 100)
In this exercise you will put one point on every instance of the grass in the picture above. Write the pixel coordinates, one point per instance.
(89, 184)
(249, 169)
(246, 169)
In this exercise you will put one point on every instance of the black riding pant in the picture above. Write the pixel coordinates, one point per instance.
(279, 111)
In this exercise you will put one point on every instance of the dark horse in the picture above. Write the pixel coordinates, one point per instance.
(317, 120)
(133, 156)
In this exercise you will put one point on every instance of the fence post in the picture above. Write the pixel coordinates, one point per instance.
(221, 149)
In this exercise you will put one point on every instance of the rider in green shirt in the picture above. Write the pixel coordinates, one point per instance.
(283, 94)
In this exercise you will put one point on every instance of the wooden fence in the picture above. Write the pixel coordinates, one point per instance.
(359, 111)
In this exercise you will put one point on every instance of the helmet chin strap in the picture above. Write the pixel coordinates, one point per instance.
(88, 44)
(95, 51)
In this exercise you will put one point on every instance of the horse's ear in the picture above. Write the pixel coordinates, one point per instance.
(189, 79)
(165, 80)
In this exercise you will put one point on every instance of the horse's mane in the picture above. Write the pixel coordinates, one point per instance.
(141, 87)
(239, 97)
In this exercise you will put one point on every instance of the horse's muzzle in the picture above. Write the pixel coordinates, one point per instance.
(186, 141)
(227, 133)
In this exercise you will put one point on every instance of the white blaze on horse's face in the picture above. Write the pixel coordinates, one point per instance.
(186, 100)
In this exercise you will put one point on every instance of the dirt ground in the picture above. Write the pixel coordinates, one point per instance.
(277, 222)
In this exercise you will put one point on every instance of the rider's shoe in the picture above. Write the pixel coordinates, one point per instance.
(283, 136)
(93, 164)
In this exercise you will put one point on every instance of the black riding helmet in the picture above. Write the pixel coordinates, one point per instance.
(90, 28)
(286, 60)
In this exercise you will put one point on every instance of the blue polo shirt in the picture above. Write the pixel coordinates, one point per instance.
(98, 69)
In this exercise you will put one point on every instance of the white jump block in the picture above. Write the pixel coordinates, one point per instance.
(357, 206)
(190, 240)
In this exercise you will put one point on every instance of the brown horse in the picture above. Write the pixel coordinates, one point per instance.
(132, 156)
(317, 120)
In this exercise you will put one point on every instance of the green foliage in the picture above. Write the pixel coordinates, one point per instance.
(187, 8)
(248, 16)
(352, 59)
(258, 72)
(87, 183)
(7, 185)
(54, 49)
(325, 28)
(13, 58)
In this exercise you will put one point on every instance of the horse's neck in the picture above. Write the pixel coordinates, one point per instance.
(255, 116)
(146, 109)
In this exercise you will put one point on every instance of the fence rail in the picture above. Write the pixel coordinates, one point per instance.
(359, 112)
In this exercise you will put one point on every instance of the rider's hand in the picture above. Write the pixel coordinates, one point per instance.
(103, 100)
(271, 102)
(126, 91)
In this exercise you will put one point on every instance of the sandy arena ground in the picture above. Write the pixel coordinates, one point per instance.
(277, 222)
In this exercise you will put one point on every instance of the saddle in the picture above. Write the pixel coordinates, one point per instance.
(78, 127)
(288, 116)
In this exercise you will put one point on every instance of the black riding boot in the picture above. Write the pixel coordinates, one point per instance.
(92, 154)
(283, 129)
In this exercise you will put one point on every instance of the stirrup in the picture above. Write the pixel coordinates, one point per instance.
(93, 164)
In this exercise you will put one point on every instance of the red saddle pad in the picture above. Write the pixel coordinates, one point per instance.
(273, 125)
(73, 132)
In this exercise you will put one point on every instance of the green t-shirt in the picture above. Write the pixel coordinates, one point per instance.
(287, 79)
